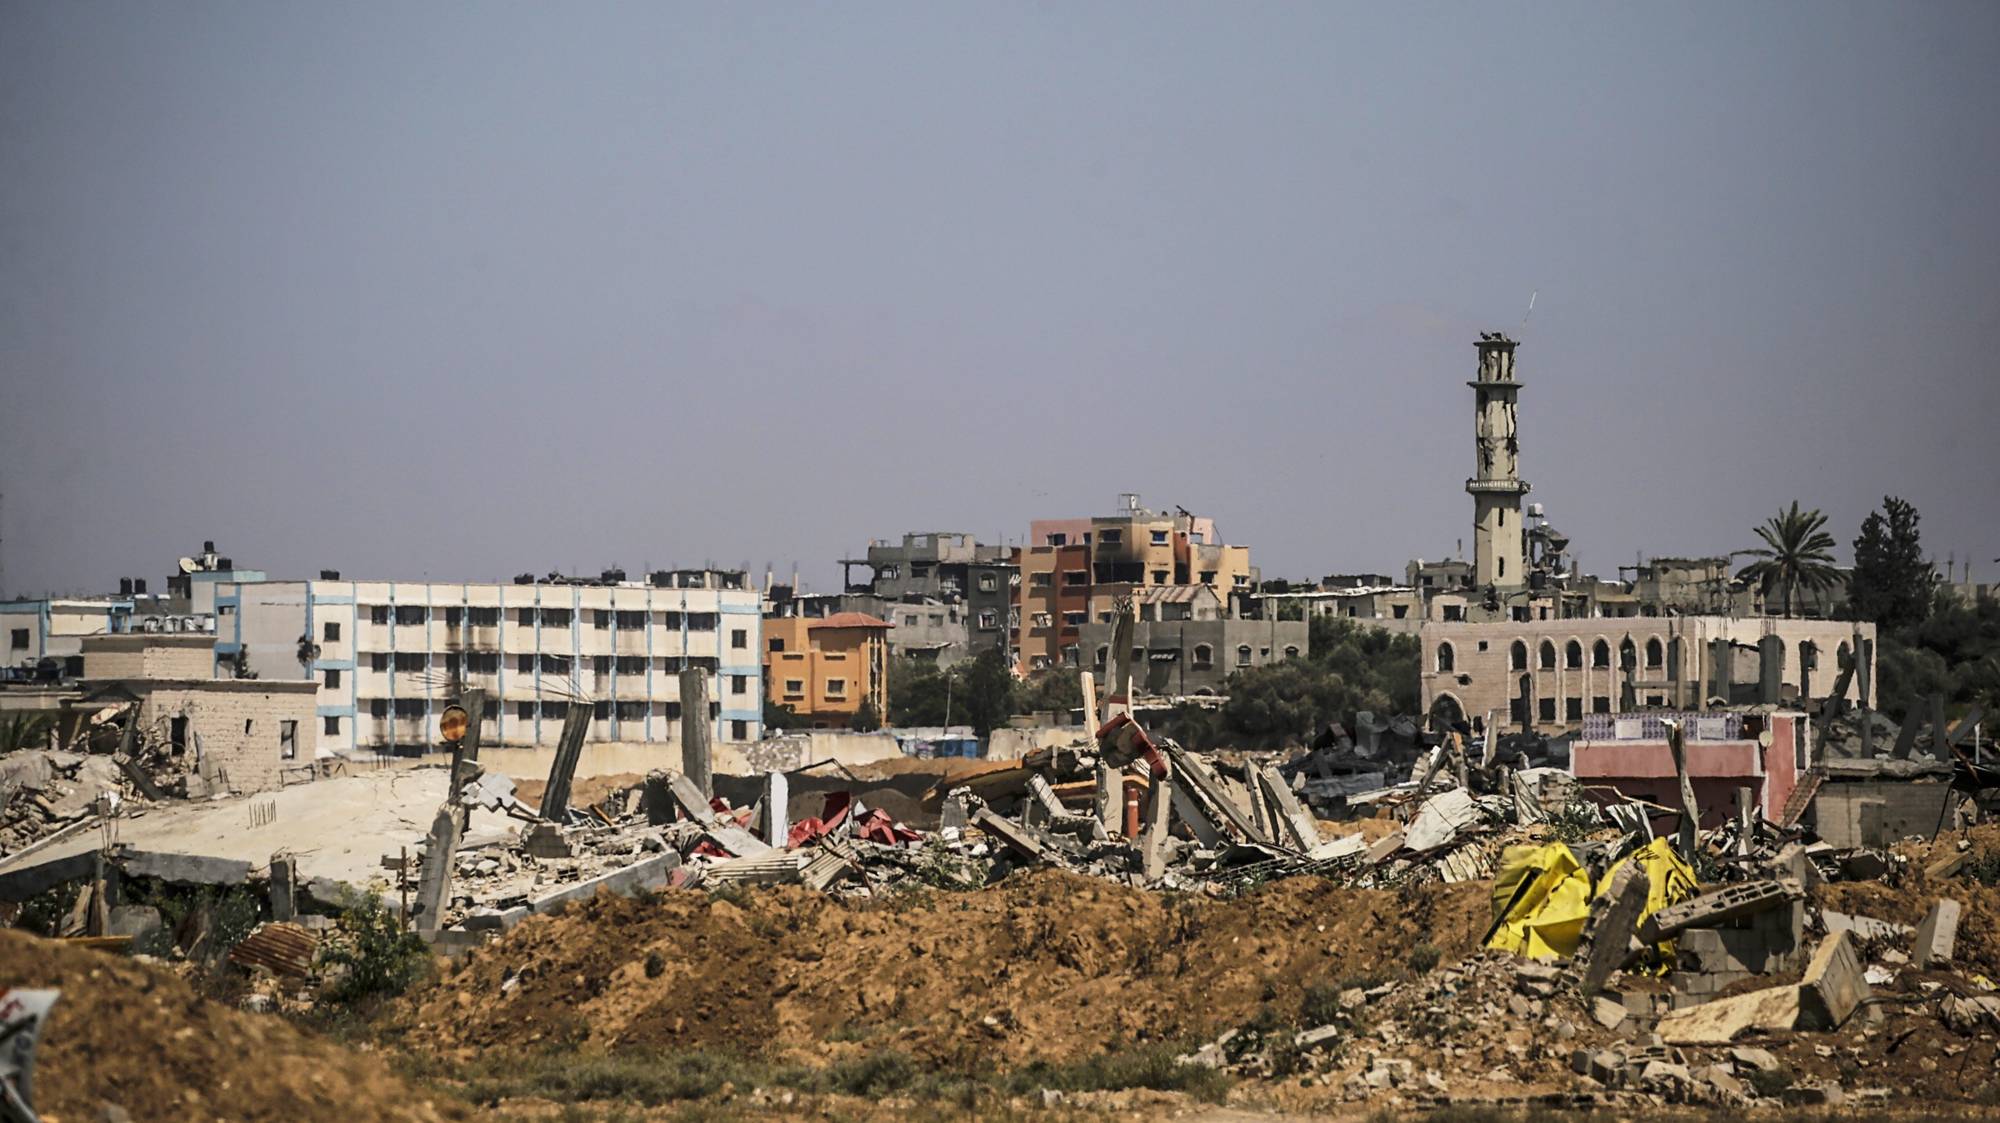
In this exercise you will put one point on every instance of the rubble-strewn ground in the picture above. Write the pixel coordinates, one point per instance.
(136, 1036)
(1046, 965)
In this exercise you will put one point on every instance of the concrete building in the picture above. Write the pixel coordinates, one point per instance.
(44, 638)
(1726, 753)
(1053, 605)
(238, 735)
(1370, 600)
(826, 669)
(388, 656)
(1184, 643)
(1074, 570)
(953, 595)
(1548, 675)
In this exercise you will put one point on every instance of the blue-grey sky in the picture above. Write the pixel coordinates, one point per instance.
(468, 290)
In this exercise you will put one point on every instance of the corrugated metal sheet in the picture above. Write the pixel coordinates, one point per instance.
(283, 949)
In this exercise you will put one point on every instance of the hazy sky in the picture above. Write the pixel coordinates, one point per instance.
(470, 290)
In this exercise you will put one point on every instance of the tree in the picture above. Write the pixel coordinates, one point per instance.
(779, 717)
(1892, 583)
(1796, 553)
(978, 692)
(867, 719)
(1057, 688)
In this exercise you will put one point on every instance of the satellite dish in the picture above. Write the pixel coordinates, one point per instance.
(188, 565)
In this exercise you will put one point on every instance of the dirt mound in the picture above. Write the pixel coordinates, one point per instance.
(134, 1035)
(1906, 901)
(1046, 965)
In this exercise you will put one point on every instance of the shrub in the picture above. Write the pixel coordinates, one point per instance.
(378, 958)
(1423, 958)
(1320, 1005)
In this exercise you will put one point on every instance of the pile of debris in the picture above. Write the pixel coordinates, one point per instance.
(48, 792)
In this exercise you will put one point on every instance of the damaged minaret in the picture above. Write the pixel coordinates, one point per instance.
(1499, 554)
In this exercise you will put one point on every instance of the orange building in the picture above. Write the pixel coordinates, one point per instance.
(826, 668)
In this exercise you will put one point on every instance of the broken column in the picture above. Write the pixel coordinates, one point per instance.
(776, 812)
(1690, 813)
(284, 887)
(1110, 798)
(695, 731)
(434, 885)
(562, 770)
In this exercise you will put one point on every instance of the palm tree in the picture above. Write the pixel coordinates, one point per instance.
(1794, 554)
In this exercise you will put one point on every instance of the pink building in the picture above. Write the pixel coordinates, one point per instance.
(1726, 751)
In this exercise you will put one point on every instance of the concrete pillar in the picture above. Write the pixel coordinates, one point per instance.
(1770, 669)
(1159, 817)
(1110, 798)
(434, 886)
(284, 888)
(777, 821)
(695, 730)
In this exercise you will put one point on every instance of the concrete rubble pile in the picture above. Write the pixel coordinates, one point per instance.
(1615, 977)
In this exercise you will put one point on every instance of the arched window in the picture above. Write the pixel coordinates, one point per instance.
(1204, 656)
(1600, 654)
(1573, 656)
(1655, 655)
(1517, 656)
(1291, 651)
(1548, 656)
(1447, 662)
(1243, 655)
(1843, 655)
(1628, 654)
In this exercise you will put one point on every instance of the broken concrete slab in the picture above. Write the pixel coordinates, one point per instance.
(1608, 931)
(185, 869)
(1020, 839)
(1714, 909)
(1441, 818)
(651, 873)
(1834, 984)
(1937, 936)
(1719, 1022)
(1865, 928)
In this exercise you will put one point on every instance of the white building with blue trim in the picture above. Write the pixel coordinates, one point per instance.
(389, 656)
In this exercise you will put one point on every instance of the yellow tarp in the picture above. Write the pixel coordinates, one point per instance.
(1541, 895)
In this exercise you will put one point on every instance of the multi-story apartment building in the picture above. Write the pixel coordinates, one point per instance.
(939, 581)
(827, 668)
(1073, 572)
(1053, 605)
(390, 655)
(1186, 642)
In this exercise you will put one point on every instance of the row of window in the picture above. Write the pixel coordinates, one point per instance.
(1600, 655)
(601, 618)
(1201, 658)
(488, 663)
(527, 711)
(835, 690)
